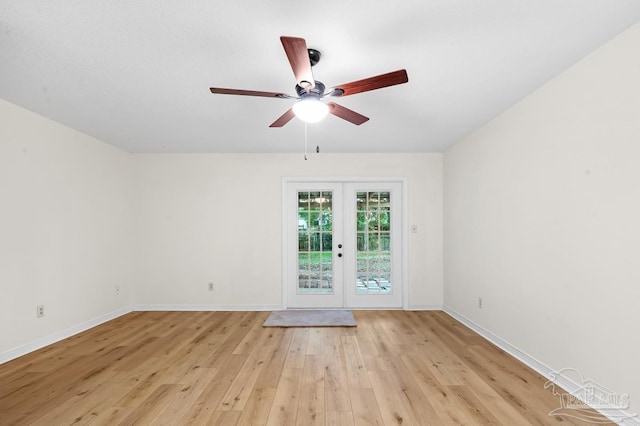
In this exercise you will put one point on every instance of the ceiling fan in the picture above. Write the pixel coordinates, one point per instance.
(310, 108)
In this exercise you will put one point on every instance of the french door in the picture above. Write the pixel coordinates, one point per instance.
(343, 244)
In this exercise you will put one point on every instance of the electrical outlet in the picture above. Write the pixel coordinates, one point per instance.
(117, 290)
(40, 311)
(210, 286)
(480, 302)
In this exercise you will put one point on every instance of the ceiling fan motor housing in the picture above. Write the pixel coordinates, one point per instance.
(317, 91)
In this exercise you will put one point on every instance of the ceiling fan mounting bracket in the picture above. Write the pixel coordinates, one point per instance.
(314, 56)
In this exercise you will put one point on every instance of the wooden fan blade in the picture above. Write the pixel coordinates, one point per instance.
(296, 50)
(346, 114)
(284, 118)
(373, 83)
(221, 91)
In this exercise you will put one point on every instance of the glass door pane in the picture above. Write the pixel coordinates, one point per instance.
(373, 242)
(315, 242)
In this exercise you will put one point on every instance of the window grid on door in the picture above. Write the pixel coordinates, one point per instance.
(315, 240)
(373, 242)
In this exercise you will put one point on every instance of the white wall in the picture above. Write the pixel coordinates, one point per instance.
(79, 217)
(217, 218)
(65, 227)
(542, 220)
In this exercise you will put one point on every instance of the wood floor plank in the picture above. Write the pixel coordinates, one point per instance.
(390, 404)
(315, 343)
(339, 418)
(473, 408)
(368, 349)
(244, 382)
(356, 370)
(209, 400)
(178, 406)
(152, 406)
(248, 342)
(365, 407)
(228, 337)
(336, 381)
(109, 416)
(270, 374)
(99, 405)
(53, 389)
(142, 382)
(311, 403)
(70, 411)
(415, 400)
(436, 392)
(187, 363)
(256, 411)
(224, 368)
(297, 348)
(284, 410)
(224, 418)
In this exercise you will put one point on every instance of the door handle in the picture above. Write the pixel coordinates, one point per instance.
(339, 254)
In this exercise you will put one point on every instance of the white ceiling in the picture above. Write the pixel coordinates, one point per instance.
(136, 74)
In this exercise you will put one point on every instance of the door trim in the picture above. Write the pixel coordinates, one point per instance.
(347, 179)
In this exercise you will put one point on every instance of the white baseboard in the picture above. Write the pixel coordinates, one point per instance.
(424, 308)
(206, 308)
(575, 389)
(34, 345)
(171, 307)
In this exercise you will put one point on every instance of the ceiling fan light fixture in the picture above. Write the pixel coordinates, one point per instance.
(310, 92)
(310, 110)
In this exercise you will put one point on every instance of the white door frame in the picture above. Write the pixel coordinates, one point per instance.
(349, 179)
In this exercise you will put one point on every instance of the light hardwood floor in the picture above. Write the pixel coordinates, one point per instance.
(224, 368)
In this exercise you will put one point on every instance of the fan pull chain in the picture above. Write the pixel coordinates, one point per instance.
(305, 141)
